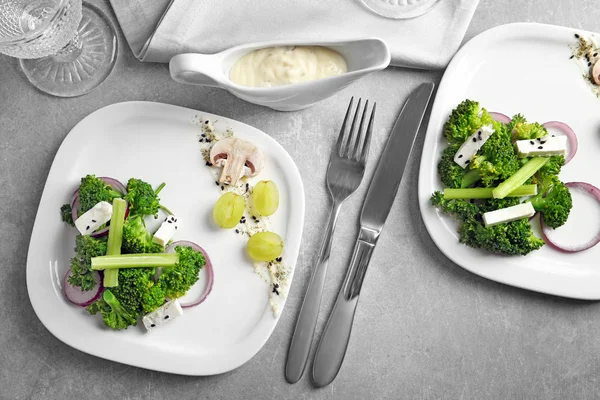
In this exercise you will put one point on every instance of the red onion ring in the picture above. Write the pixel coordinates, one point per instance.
(590, 189)
(496, 116)
(571, 136)
(113, 183)
(207, 266)
(79, 297)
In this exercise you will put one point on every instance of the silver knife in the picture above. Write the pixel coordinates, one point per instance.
(378, 203)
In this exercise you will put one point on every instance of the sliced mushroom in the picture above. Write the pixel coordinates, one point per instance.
(596, 73)
(237, 157)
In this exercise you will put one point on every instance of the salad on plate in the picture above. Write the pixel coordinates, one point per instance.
(500, 173)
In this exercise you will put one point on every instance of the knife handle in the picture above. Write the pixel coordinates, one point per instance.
(334, 341)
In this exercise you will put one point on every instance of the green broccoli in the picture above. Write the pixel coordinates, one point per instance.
(137, 291)
(520, 129)
(143, 200)
(136, 238)
(496, 160)
(66, 214)
(460, 209)
(114, 314)
(509, 238)
(450, 172)
(554, 201)
(465, 119)
(86, 247)
(93, 190)
(179, 279)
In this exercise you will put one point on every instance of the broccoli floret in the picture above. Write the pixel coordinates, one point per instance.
(554, 201)
(511, 238)
(550, 169)
(496, 160)
(450, 172)
(114, 314)
(86, 247)
(137, 291)
(137, 239)
(465, 119)
(93, 190)
(460, 209)
(143, 200)
(66, 214)
(177, 280)
(520, 129)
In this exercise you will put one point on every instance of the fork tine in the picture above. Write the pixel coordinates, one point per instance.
(347, 150)
(340, 141)
(358, 142)
(365, 148)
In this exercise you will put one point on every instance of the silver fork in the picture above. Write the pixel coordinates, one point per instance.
(344, 174)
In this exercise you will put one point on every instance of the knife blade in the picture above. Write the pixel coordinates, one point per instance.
(376, 208)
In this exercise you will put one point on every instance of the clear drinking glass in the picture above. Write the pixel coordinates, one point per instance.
(399, 9)
(65, 47)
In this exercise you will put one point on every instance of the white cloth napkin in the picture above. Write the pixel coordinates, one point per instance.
(159, 29)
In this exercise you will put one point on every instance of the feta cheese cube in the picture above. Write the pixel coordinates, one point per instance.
(523, 210)
(94, 218)
(541, 147)
(166, 231)
(165, 313)
(472, 145)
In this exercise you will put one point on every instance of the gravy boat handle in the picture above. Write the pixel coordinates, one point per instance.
(195, 69)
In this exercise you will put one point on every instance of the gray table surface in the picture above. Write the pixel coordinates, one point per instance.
(425, 328)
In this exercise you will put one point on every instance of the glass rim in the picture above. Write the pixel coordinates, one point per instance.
(39, 31)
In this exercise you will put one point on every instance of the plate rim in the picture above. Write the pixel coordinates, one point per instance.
(296, 218)
(429, 215)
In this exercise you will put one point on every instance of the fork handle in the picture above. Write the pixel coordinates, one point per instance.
(334, 341)
(307, 319)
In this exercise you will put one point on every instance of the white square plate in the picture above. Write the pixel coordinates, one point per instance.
(519, 68)
(159, 142)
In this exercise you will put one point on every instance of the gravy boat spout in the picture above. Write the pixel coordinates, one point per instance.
(363, 56)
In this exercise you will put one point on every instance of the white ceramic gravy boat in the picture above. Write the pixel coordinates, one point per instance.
(363, 56)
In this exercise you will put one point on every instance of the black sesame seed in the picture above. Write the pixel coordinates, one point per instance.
(576, 36)
(460, 156)
(203, 135)
(169, 221)
(152, 325)
(542, 142)
(237, 231)
(571, 57)
(94, 221)
(87, 228)
(532, 142)
(217, 183)
(474, 139)
(166, 317)
(207, 163)
(207, 122)
(553, 135)
(468, 161)
(540, 147)
(589, 64)
(222, 188)
(595, 55)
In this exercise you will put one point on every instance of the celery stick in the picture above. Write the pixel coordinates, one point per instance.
(486, 193)
(135, 261)
(115, 238)
(519, 177)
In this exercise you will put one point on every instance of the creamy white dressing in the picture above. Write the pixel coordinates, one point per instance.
(275, 66)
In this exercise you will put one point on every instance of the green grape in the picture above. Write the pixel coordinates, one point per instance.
(265, 246)
(265, 197)
(229, 210)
